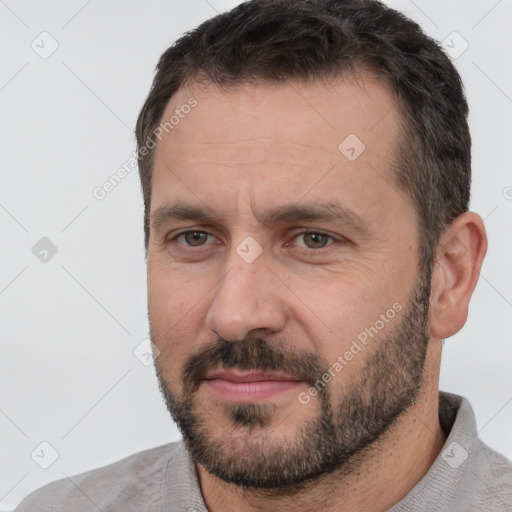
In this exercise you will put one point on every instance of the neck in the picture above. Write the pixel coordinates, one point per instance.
(375, 479)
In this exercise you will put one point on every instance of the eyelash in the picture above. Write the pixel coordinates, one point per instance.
(331, 238)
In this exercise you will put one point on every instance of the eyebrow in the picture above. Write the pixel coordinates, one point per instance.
(288, 213)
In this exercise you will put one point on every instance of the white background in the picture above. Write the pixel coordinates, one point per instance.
(69, 326)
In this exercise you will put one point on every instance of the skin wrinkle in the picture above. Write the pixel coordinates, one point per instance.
(239, 149)
(367, 439)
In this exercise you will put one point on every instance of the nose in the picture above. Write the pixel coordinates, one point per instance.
(248, 297)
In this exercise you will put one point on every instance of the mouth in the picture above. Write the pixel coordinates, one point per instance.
(249, 386)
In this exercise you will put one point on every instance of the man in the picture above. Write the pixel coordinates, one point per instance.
(305, 166)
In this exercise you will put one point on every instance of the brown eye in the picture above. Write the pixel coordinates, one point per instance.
(313, 240)
(194, 238)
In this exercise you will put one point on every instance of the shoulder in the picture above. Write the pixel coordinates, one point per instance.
(132, 483)
(467, 475)
(480, 477)
(487, 480)
(491, 474)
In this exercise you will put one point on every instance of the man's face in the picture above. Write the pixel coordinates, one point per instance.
(291, 253)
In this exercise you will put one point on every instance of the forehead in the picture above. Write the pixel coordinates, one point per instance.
(301, 113)
(279, 142)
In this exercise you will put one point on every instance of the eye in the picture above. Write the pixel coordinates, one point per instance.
(313, 239)
(193, 238)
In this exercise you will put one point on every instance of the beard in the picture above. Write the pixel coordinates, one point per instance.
(387, 383)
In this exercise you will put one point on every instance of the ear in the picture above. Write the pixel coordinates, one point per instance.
(459, 257)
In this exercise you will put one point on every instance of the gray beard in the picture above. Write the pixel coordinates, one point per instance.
(388, 383)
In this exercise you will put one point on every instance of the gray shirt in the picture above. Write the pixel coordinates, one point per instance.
(466, 476)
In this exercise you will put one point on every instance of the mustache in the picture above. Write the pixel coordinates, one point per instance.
(250, 354)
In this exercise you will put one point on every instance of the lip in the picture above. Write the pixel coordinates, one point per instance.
(249, 386)
(252, 376)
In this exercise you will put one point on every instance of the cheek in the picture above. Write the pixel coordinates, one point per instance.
(176, 312)
(170, 295)
(336, 310)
